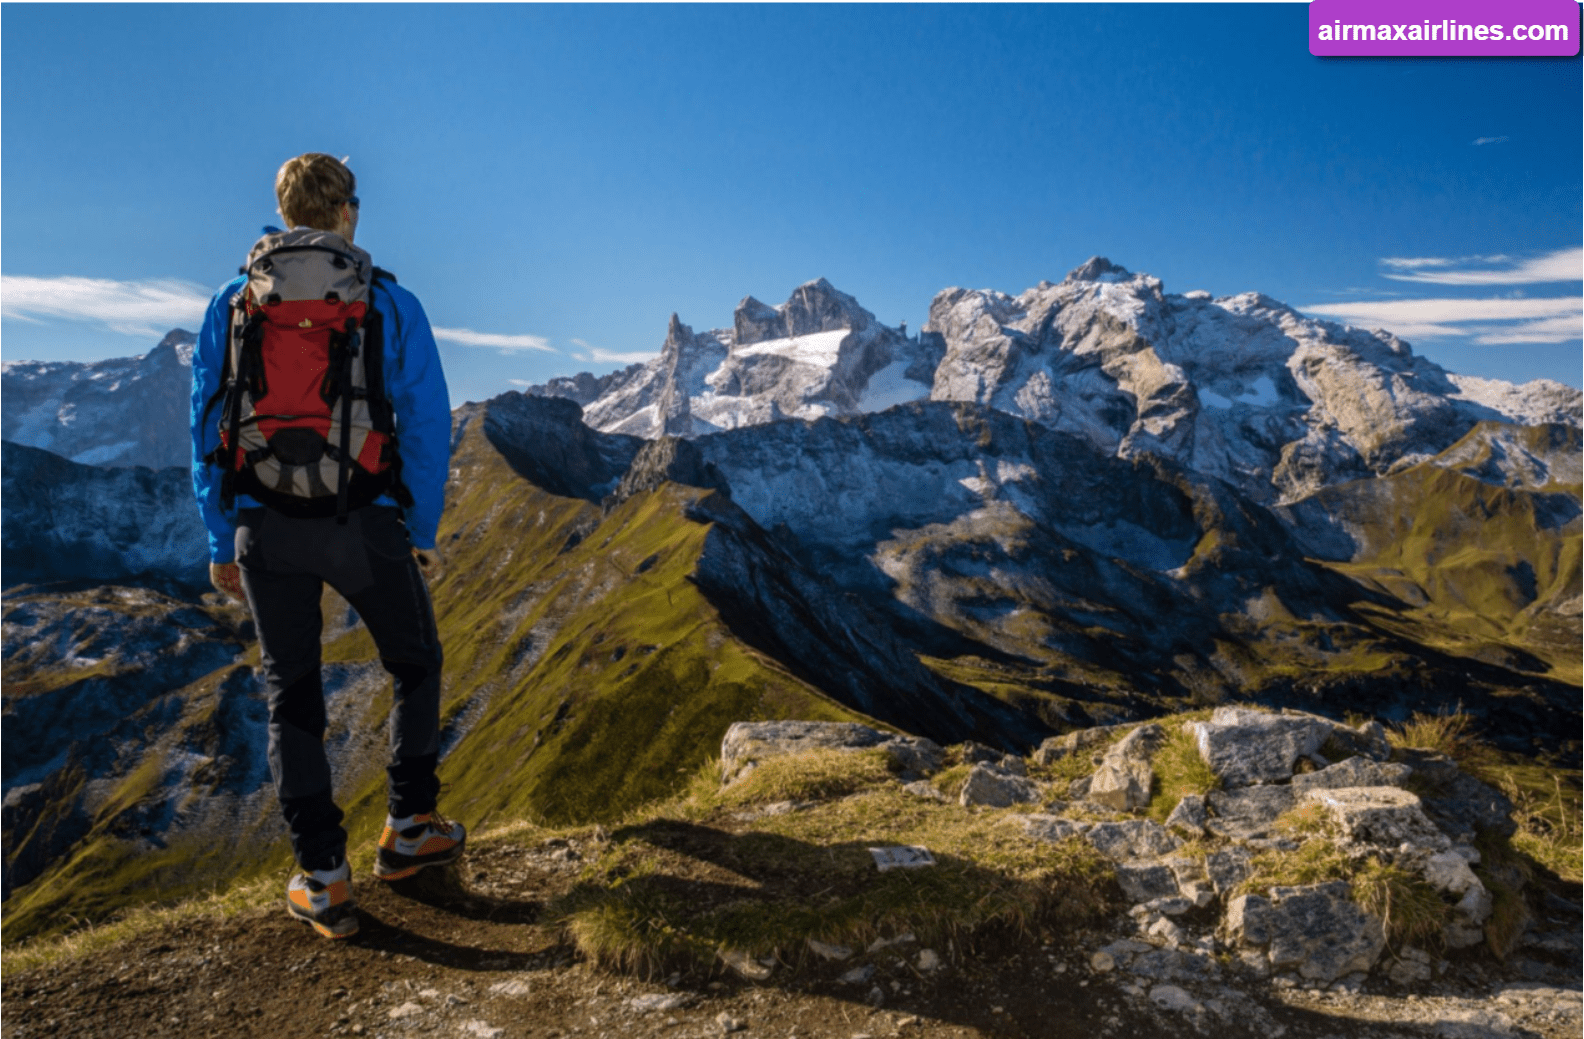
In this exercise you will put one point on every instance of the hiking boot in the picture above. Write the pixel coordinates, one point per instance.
(323, 898)
(408, 845)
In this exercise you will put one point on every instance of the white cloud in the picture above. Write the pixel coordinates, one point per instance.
(136, 308)
(1561, 265)
(520, 382)
(612, 357)
(1504, 320)
(504, 343)
(1489, 140)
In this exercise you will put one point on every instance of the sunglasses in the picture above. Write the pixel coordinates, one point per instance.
(353, 202)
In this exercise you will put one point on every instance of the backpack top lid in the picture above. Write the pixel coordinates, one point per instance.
(306, 265)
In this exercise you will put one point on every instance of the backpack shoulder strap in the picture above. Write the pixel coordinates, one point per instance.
(381, 274)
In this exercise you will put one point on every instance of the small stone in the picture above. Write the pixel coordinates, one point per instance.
(929, 961)
(744, 965)
(876, 997)
(659, 1001)
(405, 1010)
(858, 975)
(835, 953)
(1102, 963)
(1170, 997)
(481, 1030)
(729, 1024)
(514, 987)
(927, 790)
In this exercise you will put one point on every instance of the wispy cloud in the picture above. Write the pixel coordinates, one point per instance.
(493, 340)
(1489, 140)
(1561, 265)
(599, 356)
(136, 308)
(1492, 321)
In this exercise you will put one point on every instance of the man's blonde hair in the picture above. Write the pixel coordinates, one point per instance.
(311, 189)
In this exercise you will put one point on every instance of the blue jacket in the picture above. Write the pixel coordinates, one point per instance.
(414, 383)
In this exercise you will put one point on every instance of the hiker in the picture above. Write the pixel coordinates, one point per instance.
(321, 441)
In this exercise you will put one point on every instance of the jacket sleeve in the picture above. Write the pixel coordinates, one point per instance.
(418, 393)
(208, 358)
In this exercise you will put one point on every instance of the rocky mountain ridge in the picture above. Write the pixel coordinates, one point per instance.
(127, 411)
(1243, 388)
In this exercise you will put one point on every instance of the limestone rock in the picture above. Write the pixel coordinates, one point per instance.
(1193, 880)
(748, 742)
(1352, 772)
(1189, 817)
(1313, 929)
(1381, 816)
(996, 789)
(1122, 782)
(1228, 867)
(1245, 747)
(1121, 785)
(1463, 806)
(1143, 880)
(1132, 839)
(1247, 812)
(1368, 741)
(1170, 997)
(1050, 828)
(1057, 747)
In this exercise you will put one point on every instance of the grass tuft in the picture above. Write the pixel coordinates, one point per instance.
(1413, 912)
(1450, 733)
(819, 775)
(1180, 770)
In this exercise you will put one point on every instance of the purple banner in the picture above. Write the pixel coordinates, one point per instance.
(1428, 28)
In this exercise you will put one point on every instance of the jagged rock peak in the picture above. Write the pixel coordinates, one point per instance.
(178, 341)
(815, 306)
(1098, 268)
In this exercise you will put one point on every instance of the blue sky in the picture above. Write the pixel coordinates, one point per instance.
(555, 181)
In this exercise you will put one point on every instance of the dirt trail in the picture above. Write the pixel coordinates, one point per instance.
(433, 960)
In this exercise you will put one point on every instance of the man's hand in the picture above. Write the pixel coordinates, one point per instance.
(430, 562)
(227, 579)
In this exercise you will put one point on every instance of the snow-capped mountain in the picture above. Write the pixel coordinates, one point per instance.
(1241, 387)
(120, 412)
(817, 354)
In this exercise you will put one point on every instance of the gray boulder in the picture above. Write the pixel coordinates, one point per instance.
(1057, 747)
(1228, 867)
(1368, 741)
(1050, 828)
(1122, 782)
(746, 743)
(1132, 839)
(1247, 813)
(1145, 880)
(1314, 929)
(1352, 772)
(1382, 817)
(1189, 817)
(1463, 806)
(1245, 747)
(993, 788)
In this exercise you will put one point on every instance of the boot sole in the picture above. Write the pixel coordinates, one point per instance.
(403, 871)
(344, 927)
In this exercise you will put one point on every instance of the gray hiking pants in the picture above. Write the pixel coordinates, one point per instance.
(285, 563)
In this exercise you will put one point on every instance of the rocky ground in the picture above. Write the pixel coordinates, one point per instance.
(471, 958)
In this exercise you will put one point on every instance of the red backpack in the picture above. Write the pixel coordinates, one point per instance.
(306, 428)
